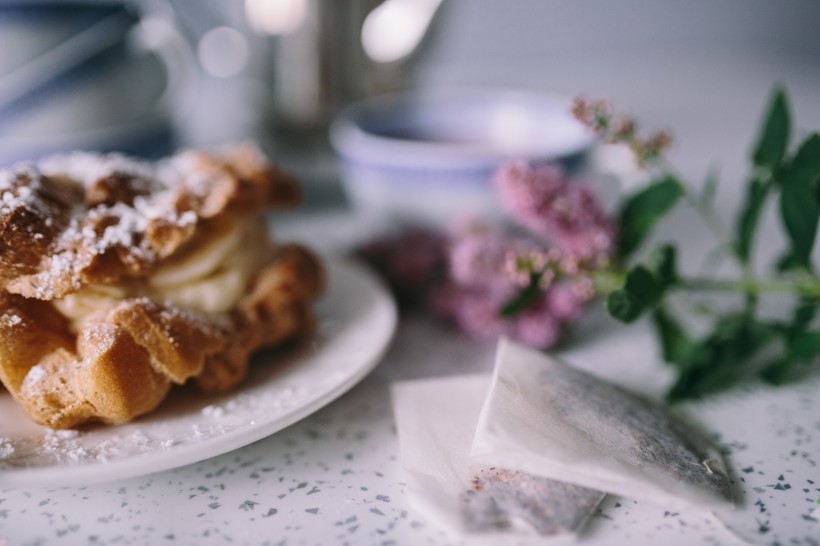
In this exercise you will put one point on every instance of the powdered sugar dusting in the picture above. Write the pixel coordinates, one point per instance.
(35, 374)
(71, 446)
(9, 320)
(99, 203)
(11, 201)
(6, 449)
(14, 195)
(89, 167)
(154, 197)
(212, 421)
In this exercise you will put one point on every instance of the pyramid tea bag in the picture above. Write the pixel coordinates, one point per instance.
(500, 497)
(546, 417)
(436, 421)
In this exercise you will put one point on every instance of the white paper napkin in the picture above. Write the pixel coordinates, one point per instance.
(542, 416)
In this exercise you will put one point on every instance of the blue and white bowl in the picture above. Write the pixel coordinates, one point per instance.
(428, 155)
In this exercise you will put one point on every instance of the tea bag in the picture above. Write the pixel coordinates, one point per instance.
(436, 420)
(546, 417)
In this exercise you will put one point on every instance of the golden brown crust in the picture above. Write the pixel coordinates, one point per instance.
(63, 228)
(276, 308)
(60, 232)
(238, 181)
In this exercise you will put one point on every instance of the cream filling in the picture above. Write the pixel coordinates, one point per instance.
(209, 278)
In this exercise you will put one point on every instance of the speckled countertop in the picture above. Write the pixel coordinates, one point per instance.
(335, 477)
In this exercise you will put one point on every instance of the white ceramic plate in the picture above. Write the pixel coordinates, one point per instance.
(357, 318)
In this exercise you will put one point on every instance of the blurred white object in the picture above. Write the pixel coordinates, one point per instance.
(428, 155)
(319, 65)
(94, 75)
(75, 50)
(330, 53)
(223, 52)
(275, 17)
(394, 29)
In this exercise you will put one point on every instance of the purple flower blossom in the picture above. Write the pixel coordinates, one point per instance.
(474, 273)
(495, 262)
(565, 303)
(471, 311)
(476, 314)
(411, 261)
(477, 260)
(523, 188)
(568, 214)
(597, 115)
(536, 327)
(487, 269)
(521, 263)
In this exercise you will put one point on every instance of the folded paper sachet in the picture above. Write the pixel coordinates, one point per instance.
(542, 416)
(436, 421)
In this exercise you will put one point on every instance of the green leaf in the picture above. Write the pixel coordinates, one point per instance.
(777, 371)
(722, 358)
(787, 262)
(642, 210)
(756, 193)
(815, 190)
(526, 297)
(623, 306)
(804, 313)
(799, 210)
(640, 292)
(675, 343)
(645, 285)
(804, 346)
(642, 284)
(774, 135)
(664, 262)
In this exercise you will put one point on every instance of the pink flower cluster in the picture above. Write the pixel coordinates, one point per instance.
(488, 269)
(472, 275)
(598, 116)
(565, 213)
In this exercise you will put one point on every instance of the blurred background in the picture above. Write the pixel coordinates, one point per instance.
(148, 76)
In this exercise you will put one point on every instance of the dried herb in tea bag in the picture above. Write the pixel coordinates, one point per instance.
(502, 499)
(436, 420)
(545, 417)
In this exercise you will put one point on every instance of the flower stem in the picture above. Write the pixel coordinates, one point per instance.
(606, 281)
(751, 285)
